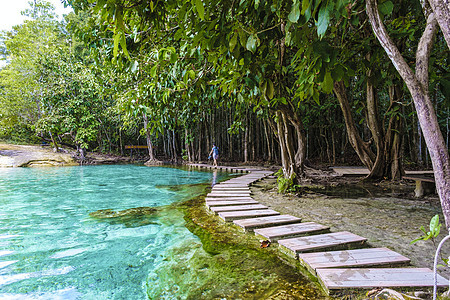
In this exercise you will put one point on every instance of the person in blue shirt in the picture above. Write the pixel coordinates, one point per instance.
(215, 154)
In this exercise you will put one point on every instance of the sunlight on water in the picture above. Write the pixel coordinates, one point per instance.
(50, 248)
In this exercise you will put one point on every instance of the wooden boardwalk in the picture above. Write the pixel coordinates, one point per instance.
(352, 258)
(338, 259)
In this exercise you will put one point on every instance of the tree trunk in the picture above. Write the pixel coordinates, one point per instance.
(361, 148)
(148, 136)
(289, 165)
(300, 155)
(373, 119)
(418, 87)
(246, 141)
(441, 9)
(393, 138)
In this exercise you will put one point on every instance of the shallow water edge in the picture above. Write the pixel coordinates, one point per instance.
(229, 264)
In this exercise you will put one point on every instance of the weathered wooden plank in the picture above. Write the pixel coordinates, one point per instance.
(210, 204)
(334, 241)
(228, 198)
(230, 191)
(231, 185)
(227, 194)
(276, 233)
(229, 216)
(338, 279)
(230, 188)
(218, 209)
(252, 224)
(352, 258)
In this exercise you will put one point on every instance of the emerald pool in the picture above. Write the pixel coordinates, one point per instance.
(51, 248)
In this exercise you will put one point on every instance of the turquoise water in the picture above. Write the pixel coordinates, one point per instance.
(50, 248)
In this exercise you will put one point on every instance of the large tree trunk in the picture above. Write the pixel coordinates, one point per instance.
(418, 87)
(152, 159)
(373, 119)
(441, 9)
(284, 134)
(361, 148)
(148, 136)
(300, 154)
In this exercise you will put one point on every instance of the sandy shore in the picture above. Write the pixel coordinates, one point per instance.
(31, 156)
(388, 216)
(42, 156)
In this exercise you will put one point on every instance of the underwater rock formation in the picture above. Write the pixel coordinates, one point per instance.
(131, 212)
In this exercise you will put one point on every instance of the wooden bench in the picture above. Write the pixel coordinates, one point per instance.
(424, 184)
(136, 147)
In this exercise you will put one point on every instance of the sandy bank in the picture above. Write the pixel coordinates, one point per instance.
(31, 156)
(42, 156)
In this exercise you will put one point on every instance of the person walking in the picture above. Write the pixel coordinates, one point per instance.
(215, 154)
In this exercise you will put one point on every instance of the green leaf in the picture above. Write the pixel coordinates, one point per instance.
(435, 227)
(252, 42)
(295, 13)
(305, 6)
(327, 84)
(316, 97)
(242, 37)
(288, 38)
(123, 43)
(173, 57)
(200, 9)
(323, 19)
(386, 8)
(116, 44)
(337, 73)
(191, 74)
(233, 42)
(153, 71)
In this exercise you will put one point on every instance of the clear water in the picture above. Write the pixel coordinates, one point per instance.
(50, 248)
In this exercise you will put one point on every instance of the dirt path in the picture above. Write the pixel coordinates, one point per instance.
(387, 216)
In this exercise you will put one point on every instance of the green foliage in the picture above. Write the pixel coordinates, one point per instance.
(435, 229)
(284, 184)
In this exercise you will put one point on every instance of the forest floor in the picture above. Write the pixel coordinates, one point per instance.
(385, 213)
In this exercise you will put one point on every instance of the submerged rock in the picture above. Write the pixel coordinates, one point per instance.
(131, 212)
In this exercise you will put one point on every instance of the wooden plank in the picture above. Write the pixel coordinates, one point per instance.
(136, 147)
(276, 233)
(351, 171)
(351, 258)
(210, 204)
(339, 279)
(218, 209)
(231, 192)
(419, 178)
(252, 224)
(229, 216)
(334, 241)
(230, 188)
(231, 198)
(226, 194)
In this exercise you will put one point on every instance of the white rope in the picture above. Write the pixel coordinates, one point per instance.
(436, 256)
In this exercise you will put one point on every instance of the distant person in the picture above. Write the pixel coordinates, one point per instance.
(215, 154)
